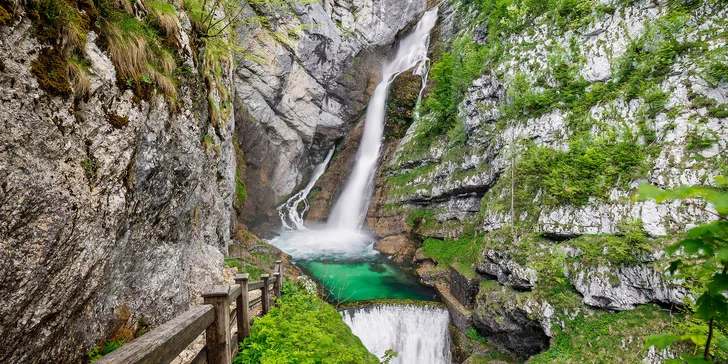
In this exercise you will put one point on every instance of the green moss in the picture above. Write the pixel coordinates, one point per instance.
(390, 302)
(591, 167)
(465, 250)
(465, 269)
(6, 12)
(89, 168)
(699, 140)
(241, 191)
(720, 112)
(606, 337)
(49, 70)
(117, 120)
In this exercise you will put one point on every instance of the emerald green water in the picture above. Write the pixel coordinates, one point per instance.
(366, 280)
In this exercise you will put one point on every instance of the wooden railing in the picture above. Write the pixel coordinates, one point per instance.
(214, 317)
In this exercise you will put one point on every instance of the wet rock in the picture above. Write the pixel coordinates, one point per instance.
(401, 248)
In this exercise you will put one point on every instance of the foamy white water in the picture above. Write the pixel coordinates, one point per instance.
(319, 243)
(350, 210)
(418, 334)
(291, 218)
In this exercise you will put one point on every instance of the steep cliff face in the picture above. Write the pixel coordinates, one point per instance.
(307, 78)
(541, 123)
(112, 207)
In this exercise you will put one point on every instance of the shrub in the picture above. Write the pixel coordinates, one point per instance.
(304, 329)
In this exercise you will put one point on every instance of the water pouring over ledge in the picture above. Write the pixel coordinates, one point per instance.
(350, 210)
(342, 237)
(342, 253)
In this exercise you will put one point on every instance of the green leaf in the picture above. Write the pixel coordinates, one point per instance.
(695, 359)
(692, 246)
(719, 283)
(723, 344)
(650, 192)
(661, 341)
(711, 305)
(674, 266)
(722, 254)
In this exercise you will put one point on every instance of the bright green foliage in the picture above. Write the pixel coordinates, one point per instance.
(465, 250)
(702, 256)
(244, 267)
(605, 337)
(452, 75)
(592, 166)
(99, 352)
(241, 191)
(304, 329)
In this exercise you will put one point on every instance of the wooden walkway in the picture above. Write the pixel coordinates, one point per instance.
(215, 318)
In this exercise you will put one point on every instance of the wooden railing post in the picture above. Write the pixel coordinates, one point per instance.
(242, 307)
(279, 282)
(265, 293)
(276, 287)
(218, 333)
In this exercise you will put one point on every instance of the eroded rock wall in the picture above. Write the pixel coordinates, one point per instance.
(111, 208)
(602, 250)
(306, 81)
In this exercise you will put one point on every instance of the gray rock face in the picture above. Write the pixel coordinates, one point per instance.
(303, 84)
(509, 323)
(101, 225)
(624, 288)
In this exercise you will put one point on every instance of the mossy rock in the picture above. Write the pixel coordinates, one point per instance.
(49, 70)
(6, 8)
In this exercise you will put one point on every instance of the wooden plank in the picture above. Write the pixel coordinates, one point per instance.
(273, 280)
(255, 301)
(234, 345)
(252, 286)
(165, 342)
(234, 292)
(201, 357)
(233, 317)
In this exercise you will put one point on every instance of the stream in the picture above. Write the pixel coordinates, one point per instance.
(340, 255)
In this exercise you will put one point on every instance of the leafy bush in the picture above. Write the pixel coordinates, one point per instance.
(701, 257)
(591, 166)
(304, 329)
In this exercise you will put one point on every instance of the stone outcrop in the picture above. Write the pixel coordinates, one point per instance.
(111, 208)
(445, 185)
(307, 79)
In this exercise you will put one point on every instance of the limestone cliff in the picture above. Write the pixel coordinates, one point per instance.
(538, 128)
(306, 80)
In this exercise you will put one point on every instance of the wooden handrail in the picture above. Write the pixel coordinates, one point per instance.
(164, 343)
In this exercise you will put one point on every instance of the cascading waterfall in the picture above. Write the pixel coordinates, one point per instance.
(288, 212)
(415, 333)
(341, 255)
(350, 210)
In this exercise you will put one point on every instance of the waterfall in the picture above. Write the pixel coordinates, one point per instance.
(351, 208)
(288, 212)
(418, 334)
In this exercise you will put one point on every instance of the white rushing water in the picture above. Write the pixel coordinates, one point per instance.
(350, 210)
(291, 217)
(418, 334)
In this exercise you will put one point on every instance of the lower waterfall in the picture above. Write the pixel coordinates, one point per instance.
(419, 334)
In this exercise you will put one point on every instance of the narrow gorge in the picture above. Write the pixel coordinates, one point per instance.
(466, 181)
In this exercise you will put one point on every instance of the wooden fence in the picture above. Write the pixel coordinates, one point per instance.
(164, 343)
